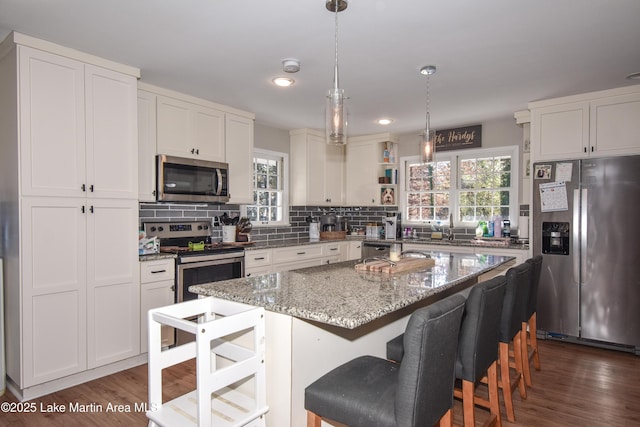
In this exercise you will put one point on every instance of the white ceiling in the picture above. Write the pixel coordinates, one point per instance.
(493, 56)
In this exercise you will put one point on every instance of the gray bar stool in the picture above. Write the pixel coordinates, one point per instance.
(530, 325)
(477, 356)
(373, 392)
(515, 300)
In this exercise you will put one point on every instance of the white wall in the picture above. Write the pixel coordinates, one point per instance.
(269, 138)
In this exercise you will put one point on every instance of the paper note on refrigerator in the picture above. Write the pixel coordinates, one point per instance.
(564, 171)
(553, 197)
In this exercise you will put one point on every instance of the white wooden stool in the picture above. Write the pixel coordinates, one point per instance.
(229, 349)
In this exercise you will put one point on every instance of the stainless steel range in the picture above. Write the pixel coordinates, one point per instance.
(199, 260)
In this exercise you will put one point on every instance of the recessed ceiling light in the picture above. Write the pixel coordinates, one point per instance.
(283, 81)
(384, 122)
(634, 76)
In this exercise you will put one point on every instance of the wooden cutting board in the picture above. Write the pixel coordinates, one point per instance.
(405, 264)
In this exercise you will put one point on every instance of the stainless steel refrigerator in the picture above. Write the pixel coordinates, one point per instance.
(586, 224)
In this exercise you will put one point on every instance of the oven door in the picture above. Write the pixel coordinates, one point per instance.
(200, 269)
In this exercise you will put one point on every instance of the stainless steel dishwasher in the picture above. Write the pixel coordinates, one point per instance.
(372, 249)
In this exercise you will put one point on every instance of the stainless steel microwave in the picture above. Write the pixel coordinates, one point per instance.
(191, 180)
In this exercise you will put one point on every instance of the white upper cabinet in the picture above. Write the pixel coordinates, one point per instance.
(52, 124)
(366, 163)
(596, 124)
(146, 146)
(317, 170)
(77, 126)
(616, 129)
(560, 131)
(190, 130)
(239, 156)
(180, 125)
(112, 133)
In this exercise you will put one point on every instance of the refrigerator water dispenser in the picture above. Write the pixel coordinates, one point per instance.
(555, 238)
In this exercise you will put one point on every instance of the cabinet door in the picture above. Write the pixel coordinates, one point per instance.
(315, 176)
(362, 161)
(52, 124)
(154, 295)
(173, 127)
(334, 174)
(207, 133)
(146, 147)
(560, 131)
(113, 281)
(355, 250)
(615, 125)
(239, 156)
(112, 133)
(53, 262)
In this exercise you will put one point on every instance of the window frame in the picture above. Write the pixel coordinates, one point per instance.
(455, 156)
(271, 155)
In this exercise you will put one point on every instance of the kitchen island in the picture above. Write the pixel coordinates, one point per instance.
(320, 317)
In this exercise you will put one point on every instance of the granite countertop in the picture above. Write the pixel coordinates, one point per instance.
(337, 294)
(154, 257)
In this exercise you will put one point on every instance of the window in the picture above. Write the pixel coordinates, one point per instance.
(270, 189)
(472, 185)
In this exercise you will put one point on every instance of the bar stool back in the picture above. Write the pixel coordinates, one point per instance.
(373, 392)
(478, 349)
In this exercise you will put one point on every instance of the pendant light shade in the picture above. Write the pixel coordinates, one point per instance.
(336, 114)
(427, 140)
(427, 146)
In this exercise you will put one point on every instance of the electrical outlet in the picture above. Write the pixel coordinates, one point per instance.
(215, 221)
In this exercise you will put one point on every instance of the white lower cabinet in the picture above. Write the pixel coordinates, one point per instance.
(354, 250)
(157, 289)
(257, 262)
(80, 285)
(265, 261)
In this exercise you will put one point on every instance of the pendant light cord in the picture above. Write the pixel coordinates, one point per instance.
(427, 118)
(335, 72)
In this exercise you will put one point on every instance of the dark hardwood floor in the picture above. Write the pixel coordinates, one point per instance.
(577, 386)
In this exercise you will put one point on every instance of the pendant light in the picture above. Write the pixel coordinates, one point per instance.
(427, 141)
(336, 115)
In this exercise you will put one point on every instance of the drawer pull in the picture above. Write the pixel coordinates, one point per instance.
(301, 253)
(333, 249)
(259, 258)
(158, 271)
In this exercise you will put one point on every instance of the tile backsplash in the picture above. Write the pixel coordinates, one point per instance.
(297, 229)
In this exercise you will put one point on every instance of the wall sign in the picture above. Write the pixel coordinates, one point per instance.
(459, 138)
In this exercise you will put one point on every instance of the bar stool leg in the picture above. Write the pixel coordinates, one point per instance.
(313, 420)
(533, 327)
(505, 381)
(526, 370)
(519, 357)
(447, 419)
